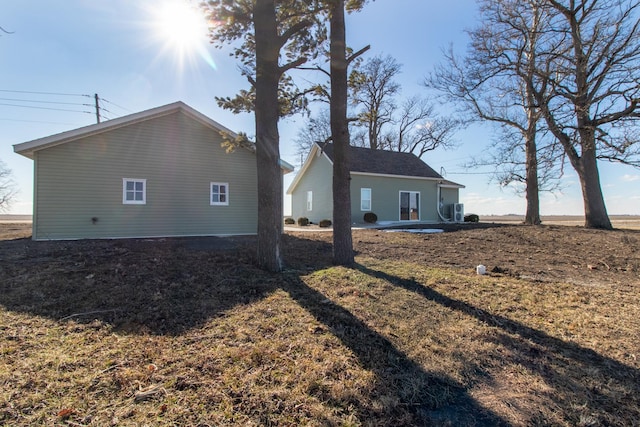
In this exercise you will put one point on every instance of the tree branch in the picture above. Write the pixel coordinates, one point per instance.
(293, 30)
(358, 53)
(293, 64)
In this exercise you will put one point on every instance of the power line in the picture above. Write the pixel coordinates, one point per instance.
(38, 121)
(98, 109)
(113, 103)
(45, 108)
(43, 102)
(110, 112)
(468, 173)
(44, 93)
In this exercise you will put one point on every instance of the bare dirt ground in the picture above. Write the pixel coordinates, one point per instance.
(569, 254)
(544, 253)
(189, 332)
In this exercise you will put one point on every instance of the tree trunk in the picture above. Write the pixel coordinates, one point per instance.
(268, 73)
(342, 241)
(373, 134)
(532, 216)
(595, 210)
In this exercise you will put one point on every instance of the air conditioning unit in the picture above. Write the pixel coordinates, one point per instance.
(458, 212)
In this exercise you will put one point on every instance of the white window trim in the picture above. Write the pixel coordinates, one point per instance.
(124, 191)
(309, 200)
(219, 184)
(362, 199)
(419, 205)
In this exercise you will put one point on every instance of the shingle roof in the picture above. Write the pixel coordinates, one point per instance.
(385, 162)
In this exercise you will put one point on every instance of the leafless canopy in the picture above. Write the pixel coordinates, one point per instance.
(7, 187)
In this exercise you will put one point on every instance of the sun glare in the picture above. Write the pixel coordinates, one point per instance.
(181, 25)
(182, 29)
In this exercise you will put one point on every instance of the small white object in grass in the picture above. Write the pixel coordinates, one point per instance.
(481, 270)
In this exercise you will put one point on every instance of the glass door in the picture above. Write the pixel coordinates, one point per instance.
(409, 206)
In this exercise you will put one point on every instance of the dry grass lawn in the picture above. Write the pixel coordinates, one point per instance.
(189, 332)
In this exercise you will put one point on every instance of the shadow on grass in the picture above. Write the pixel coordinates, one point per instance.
(169, 286)
(155, 286)
(406, 393)
(605, 389)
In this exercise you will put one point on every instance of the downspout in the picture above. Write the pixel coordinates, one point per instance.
(34, 208)
(439, 205)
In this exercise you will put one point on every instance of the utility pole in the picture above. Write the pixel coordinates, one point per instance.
(97, 107)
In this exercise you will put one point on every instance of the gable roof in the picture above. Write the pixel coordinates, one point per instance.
(28, 148)
(377, 162)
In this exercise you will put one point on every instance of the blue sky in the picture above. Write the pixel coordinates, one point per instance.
(116, 48)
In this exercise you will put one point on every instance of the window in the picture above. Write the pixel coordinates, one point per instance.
(365, 199)
(309, 200)
(219, 194)
(134, 191)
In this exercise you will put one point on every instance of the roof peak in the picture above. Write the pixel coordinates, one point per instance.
(28, 148)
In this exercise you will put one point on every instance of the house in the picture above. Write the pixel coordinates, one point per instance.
(395, 186)
(157, 173)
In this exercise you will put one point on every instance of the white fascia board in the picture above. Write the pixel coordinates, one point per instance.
(315, 151)
(441, 182)
(385, 175)
(28, 148)
(450, 184)
(286, 166)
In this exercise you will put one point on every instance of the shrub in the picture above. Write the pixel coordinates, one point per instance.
(370, 217)
(303, 221)
(289, 221)
(325, 223)
(471, 218)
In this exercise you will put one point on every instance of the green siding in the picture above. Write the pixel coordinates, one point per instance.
(177, 155)
(317, 178)
(385, 197)
(449, 196)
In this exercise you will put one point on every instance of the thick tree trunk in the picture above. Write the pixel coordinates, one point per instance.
(532, 216)
(595, 210)
(342, 241)
(267, 138)
(586, 166)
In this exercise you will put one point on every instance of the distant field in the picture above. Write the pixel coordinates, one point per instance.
(618, 221)
(15, 218)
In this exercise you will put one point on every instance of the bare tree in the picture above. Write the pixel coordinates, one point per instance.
(413, 126)
(420, 129)
(317, 129)
(496, 82)
(376, 121)
(373, 92)
(7, 187)
(592, 66)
